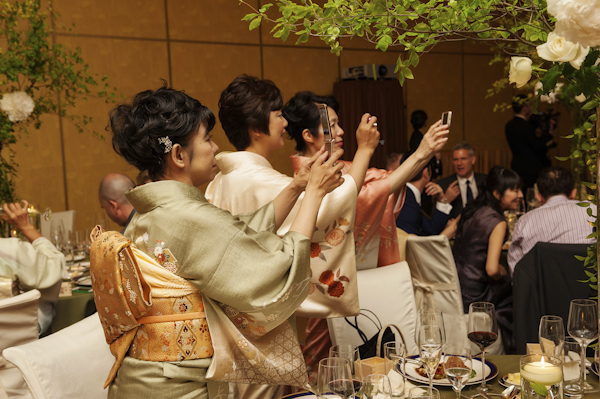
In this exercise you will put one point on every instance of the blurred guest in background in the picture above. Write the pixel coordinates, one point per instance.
(393, 161)
(112, 198)
(559, 219)
(412, 219)
(480, 235)
(36, 264)
(418, 119)
(462, 187)
(543, 125)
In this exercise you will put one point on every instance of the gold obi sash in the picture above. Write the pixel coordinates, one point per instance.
(146, 311)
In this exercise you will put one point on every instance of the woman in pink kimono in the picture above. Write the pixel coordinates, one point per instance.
(250, 113)
(379, 201)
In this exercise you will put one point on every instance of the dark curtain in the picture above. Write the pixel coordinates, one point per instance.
(382, 98)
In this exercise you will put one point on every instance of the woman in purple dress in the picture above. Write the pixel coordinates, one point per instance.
(481, 232)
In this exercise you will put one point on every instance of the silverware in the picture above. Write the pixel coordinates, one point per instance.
(509, 392)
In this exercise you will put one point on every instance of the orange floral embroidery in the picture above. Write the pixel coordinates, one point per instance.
(315, 249)
(335, 237)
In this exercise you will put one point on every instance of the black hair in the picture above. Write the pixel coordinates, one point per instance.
(498, 179)
(247, 104)
(153, 114)
(518, 102)
(302, 112)
(430, 165)
(418, 119)
(555, 181)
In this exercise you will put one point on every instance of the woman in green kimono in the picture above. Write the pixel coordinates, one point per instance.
(210, 293)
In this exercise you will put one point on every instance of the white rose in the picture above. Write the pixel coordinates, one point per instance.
(551, 97)
(580, 98)
(558, 49)
(577, 20)
(520, 71)
(17, 105)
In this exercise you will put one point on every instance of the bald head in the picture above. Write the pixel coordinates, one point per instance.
(112, 197)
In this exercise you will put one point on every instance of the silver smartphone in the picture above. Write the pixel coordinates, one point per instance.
(447, 118)
(328, 135)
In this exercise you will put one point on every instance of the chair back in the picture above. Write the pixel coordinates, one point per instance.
(436, 283)
(68, 222)
(70, 364)
(545, 281)
(387, 292)
(18, 326)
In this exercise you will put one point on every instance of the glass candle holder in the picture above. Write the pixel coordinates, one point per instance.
(541, 377)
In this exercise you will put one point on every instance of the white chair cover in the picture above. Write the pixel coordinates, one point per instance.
(436, 283)
(18, 326)
(68, 221)
(70, 364)
(386, 291)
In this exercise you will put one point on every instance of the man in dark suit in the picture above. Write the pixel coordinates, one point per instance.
(523, 143)
(463, 186)
(412, 219)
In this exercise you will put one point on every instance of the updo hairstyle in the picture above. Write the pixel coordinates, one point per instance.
(151, 115)
(302, 112)
(246, 104)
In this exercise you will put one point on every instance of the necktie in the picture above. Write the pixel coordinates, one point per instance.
(469, 193)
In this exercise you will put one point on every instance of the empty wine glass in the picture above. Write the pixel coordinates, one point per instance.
(457, 366)
(376, 386)
(583, 327)
(334, 376)
(429, 316)
(394, 355)
(423, 393)
(552, 335)
(430, 349)
(483, 331)
(351, 353)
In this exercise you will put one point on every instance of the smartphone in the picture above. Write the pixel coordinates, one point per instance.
(329, 139)
(447, 118)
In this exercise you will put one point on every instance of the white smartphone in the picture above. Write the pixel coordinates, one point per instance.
(329, 139)
(447, 118)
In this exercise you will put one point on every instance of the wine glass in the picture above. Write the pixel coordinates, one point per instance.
(394, 354)
(483, 331)
(350, 353)
(423, 393)
(376, 386)
(583, 327)
(429, 316)
(457, 365)
(430, 349)
(334, 376)
(552, 335)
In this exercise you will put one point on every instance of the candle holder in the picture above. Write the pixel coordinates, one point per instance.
(541, 377)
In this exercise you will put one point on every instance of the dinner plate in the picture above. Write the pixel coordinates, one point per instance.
(504, 381)
(85, 281)
(595, 368)
(309, 395)
(491, 371)
(76, 258)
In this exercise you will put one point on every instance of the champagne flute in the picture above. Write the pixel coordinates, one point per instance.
(457, 365)
(376, 386)
(583, 327)
(394, 355)
(429, 316)
(334, 376)
(483, 331)
(552, 335)
(350, 353)
(430, 349)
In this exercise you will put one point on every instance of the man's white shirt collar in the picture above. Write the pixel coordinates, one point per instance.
(415, 191)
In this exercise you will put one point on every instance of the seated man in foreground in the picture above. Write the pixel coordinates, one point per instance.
(559, 220)
(36, 264)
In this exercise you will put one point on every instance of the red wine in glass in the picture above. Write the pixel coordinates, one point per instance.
(344, 388)
(483, 339)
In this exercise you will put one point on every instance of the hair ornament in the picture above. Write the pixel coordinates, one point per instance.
(167, 142)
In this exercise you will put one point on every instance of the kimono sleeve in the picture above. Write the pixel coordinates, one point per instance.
(233, 264)
(260, 220)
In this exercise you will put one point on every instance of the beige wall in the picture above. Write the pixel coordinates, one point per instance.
(200, 46)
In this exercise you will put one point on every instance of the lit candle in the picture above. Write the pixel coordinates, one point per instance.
(541, 372)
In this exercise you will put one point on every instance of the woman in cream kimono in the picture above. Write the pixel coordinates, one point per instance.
(202, 294)
(250, 113)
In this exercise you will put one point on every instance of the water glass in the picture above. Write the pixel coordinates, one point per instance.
(541, 377)
(572, 368)
(552, 335)
(394, 355)
(376, 386)
(583, 326)
(458, 365)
